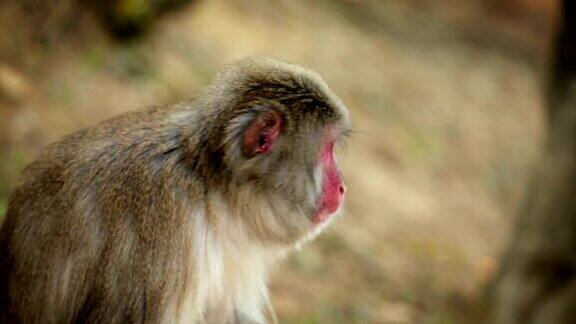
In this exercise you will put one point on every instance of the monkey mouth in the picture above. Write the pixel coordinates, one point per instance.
(330, 203)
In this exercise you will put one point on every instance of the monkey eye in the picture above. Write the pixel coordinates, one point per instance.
(261, 135)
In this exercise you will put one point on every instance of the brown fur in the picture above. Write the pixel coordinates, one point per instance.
(99, 229)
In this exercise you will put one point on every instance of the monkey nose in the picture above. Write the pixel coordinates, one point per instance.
(342, 189)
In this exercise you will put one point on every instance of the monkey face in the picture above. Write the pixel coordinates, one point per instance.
(284, 157)
(333, 188)
(292, 184)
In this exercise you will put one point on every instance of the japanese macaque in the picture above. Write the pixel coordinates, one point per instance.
(175, 214)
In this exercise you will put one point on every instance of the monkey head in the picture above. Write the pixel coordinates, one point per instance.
(280, 127)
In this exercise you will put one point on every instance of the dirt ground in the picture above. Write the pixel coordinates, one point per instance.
(445, 134)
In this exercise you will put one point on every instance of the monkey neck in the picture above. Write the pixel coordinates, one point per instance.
(232, 268)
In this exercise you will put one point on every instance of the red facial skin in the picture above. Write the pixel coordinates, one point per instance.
(333, 188)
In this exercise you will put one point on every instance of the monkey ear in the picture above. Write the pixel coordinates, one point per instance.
(260, 136)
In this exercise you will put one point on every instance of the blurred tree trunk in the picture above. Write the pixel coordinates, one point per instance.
(537, 283)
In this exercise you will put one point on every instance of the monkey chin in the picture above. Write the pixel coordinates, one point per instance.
(317, 227)
(322, 216)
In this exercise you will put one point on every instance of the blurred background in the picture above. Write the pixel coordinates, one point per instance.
(445, 97)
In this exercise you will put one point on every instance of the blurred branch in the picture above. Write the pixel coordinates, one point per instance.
(130, 18)
(46, 21)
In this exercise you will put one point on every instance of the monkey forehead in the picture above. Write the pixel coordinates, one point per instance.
(265, 74)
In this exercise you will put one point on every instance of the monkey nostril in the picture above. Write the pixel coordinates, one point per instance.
(342, 189)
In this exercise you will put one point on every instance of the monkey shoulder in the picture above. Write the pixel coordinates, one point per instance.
(137, 153)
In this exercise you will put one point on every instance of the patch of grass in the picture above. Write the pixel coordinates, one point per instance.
(130, 62)
(61, 93)
(12, 162)
(439, 317)
(93, 59)
(3, 207)
(301, 320)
